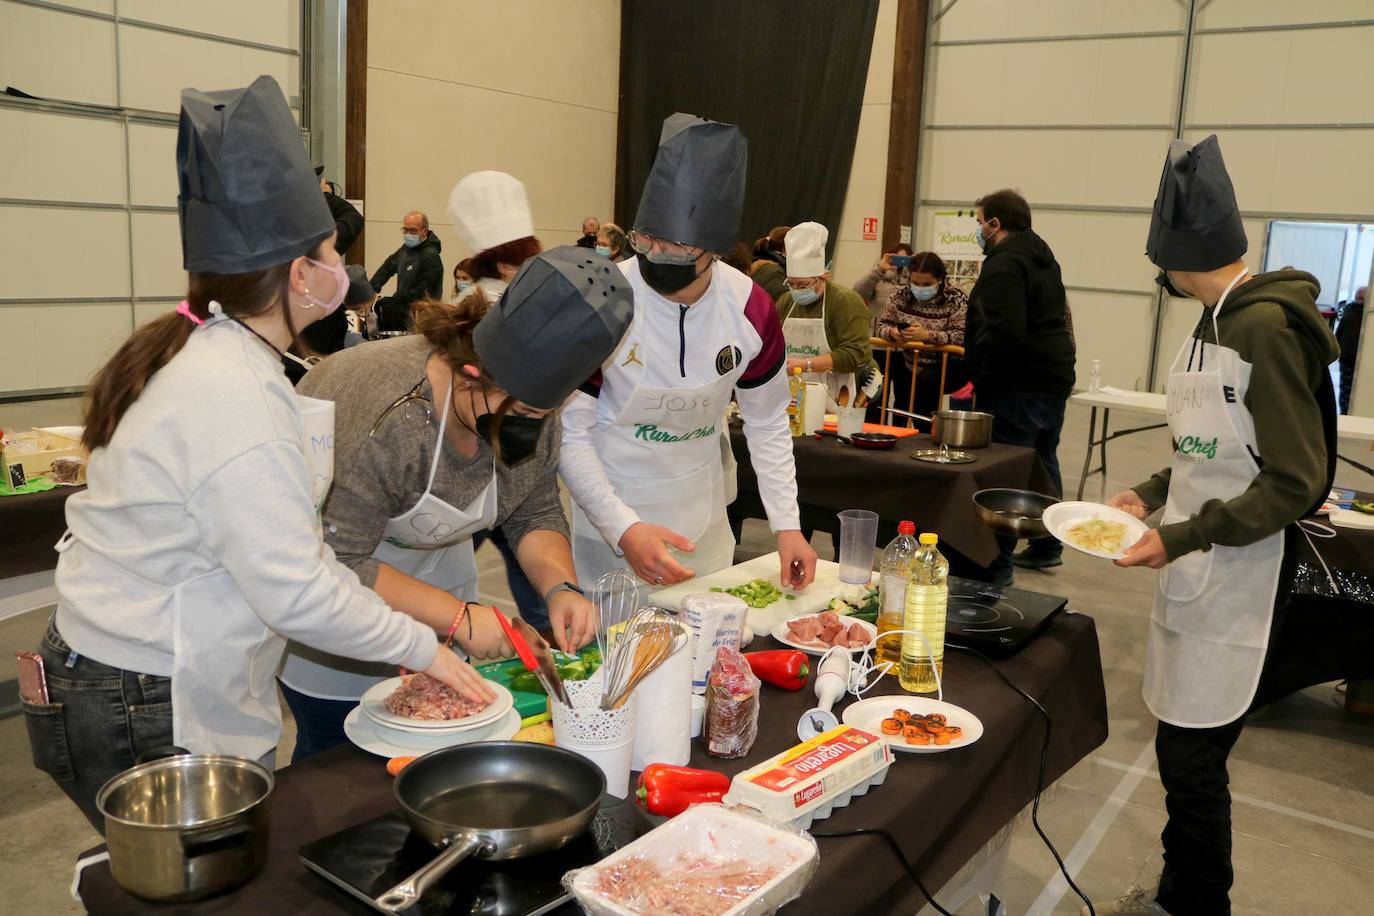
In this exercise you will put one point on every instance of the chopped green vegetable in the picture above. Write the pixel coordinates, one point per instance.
(756, 593)
(1361, 506)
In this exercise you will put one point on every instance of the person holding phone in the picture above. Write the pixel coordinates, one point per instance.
(888, 275)
(196, 550)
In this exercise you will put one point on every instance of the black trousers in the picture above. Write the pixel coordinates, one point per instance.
(1314, 640)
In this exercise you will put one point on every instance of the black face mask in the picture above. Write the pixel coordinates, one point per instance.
(518, 438)
(1168, 286)
(666, 279)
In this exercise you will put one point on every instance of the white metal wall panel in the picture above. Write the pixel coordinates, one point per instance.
(57, 55)
(1094, 168)
(1234, 13)
(1119, 81)
(157, 256)
(983, 19)
(155, 66)
(1104, 250)
(67, 173)
(268, 22)
(60, 157)
(152, 165)
(91, 260)
(1111, 328)
(1306, 76)
(1297, 172)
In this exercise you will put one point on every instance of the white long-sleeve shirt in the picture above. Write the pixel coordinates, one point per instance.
(732, 330)
(201, 509)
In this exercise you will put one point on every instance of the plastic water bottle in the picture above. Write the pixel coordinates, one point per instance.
(796, 407)
(895, 568)
(927, 598)
(1095, 380)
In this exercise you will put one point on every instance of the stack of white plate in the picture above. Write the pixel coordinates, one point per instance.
(377, 731)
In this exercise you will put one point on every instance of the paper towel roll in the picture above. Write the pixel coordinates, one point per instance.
(814, 418)
(663, 723)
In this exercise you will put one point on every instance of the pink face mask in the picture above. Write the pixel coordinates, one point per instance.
(340, 286)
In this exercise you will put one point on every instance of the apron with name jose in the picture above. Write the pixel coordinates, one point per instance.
(431, 542)
(663, 455)
(1209, 629)
(804, 339)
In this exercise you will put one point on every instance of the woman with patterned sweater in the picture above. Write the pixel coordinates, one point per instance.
(929, 310)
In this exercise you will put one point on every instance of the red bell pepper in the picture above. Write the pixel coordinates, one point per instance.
(785, 668)
(670, 790)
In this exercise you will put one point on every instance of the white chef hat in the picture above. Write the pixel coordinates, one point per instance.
(805, 244)
(490, 209)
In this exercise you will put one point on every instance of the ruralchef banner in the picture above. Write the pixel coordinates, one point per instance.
(957, 245)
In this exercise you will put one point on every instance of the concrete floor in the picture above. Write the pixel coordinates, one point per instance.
(1301, 773)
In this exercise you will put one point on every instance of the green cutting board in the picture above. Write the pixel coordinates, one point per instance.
(527, 704)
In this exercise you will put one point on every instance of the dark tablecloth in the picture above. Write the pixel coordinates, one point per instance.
(30, 524)
(942, 808)
(832, 477)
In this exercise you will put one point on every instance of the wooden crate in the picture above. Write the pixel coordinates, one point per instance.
(39, 463)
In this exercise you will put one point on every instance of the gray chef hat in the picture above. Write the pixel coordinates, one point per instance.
(1196, 221)
(249, 197)
(558, 321)
(695, 190)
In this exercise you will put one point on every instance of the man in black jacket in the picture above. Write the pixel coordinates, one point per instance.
(418, 269)
(1348, 336)
(1020, 351)
(348, 222)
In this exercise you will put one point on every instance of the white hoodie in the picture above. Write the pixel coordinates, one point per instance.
(196, 548)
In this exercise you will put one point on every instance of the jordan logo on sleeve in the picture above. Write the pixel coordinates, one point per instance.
(633, 358)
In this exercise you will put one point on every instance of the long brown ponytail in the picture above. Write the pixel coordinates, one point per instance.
(121, 381)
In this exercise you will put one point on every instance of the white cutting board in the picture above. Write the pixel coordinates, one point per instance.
(761, 620)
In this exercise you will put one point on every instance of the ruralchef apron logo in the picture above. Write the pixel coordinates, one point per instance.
(1192, 445)
(727, 359)
(650, 432)
(803, 350)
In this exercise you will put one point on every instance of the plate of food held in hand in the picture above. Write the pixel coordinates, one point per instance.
(916, 725)
(815, 634)
(418, 703)
(1094, 528)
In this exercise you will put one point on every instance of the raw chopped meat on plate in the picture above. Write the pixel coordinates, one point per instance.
(422, 697)
(827, 629)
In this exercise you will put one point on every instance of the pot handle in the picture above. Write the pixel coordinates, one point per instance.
(159, 753)
(413, 888)
(194, 845)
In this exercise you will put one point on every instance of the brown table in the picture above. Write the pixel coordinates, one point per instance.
(941, 808)
(832, 477)
(32, 523)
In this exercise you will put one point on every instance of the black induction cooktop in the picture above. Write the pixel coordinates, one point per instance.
(996, 620)
(370, 858)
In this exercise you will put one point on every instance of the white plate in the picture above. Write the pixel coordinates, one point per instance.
(373, 705)
(869, 714)
(385, 742)
(780, 633)
(1060, 517)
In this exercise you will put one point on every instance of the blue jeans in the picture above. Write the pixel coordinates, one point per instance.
(97, 721)
(527, 598)
(1033, 421)
(319, 723)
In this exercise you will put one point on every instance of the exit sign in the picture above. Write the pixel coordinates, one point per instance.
(870, 228)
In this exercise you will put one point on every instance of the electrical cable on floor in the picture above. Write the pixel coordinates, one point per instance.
(1040, 778)
(901, 856)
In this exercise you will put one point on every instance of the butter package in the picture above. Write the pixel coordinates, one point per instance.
(714, 620)
(809, 781)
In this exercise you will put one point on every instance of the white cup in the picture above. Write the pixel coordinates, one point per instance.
(849, 420)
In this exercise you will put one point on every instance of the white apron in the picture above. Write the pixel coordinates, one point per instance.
(221, 672)
(431, 542)
(664, 454)
(804, 339)
(1209, 629)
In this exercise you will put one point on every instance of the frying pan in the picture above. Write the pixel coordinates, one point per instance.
(494, 800)
(873, 440)
(1014, 512)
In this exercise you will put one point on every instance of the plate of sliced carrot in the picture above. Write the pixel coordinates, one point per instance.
(915, 725)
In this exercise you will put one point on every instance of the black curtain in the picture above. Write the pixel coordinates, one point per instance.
(790, 73)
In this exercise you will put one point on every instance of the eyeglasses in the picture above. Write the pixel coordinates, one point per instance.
(643, 243)
(801, 284)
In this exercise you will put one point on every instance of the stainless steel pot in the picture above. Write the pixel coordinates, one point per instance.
(956, 428)
(188, 826)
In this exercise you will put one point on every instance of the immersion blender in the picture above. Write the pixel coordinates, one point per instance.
(830, 683)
